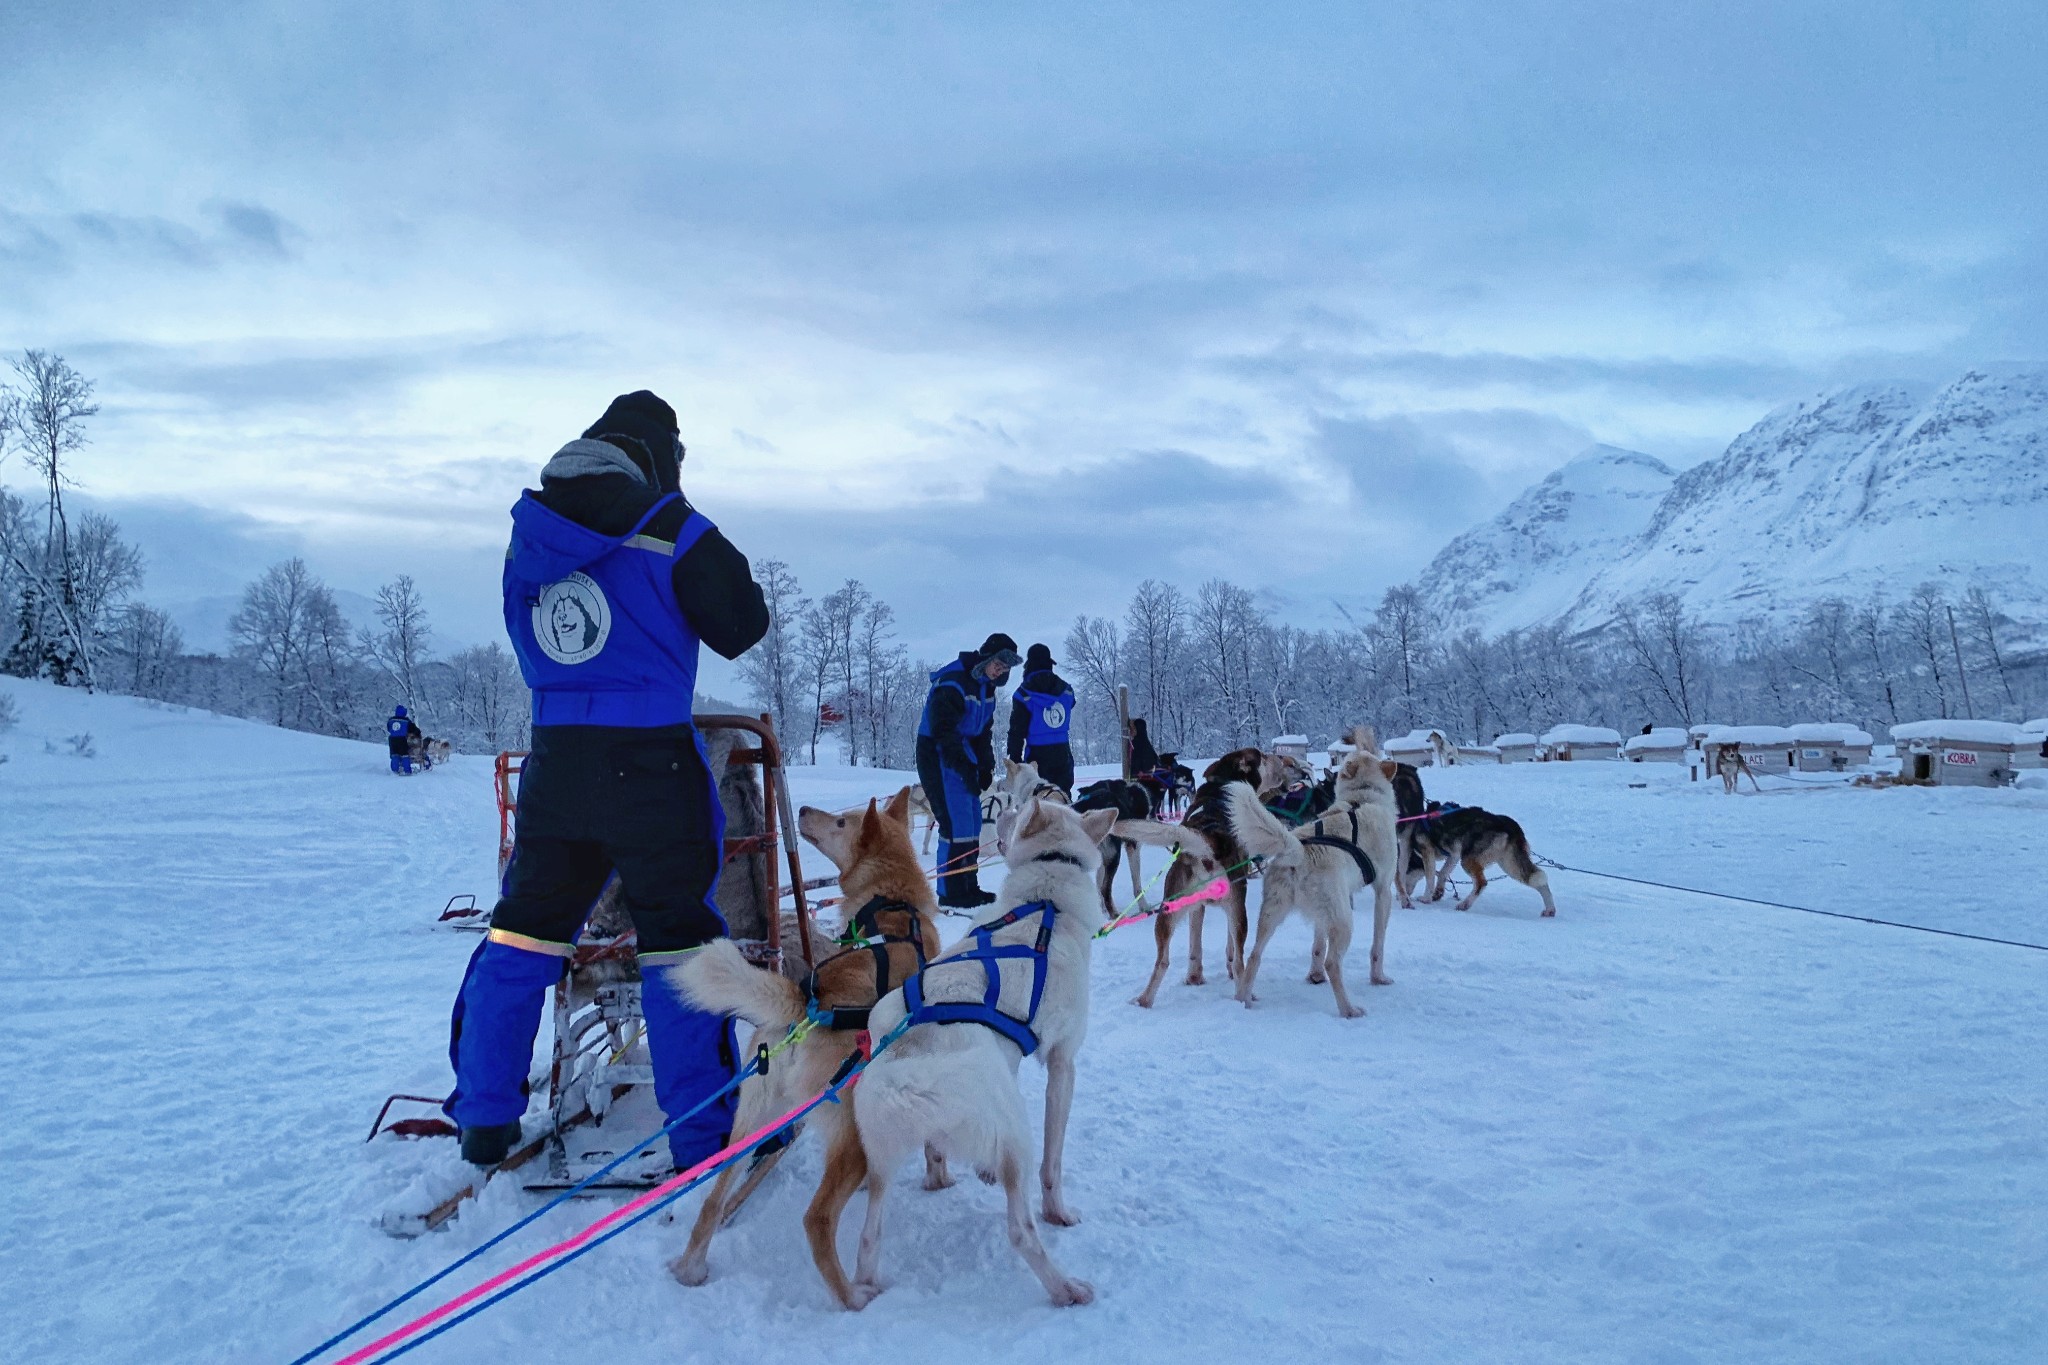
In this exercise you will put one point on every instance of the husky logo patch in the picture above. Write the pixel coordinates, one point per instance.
(1054, 716)
(572, 619)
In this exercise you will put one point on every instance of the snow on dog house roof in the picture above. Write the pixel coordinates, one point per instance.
(1847, 736)
(2035, 727)
(1298, 740)
(1663, 737)
(1517, 740)
(1993, 732)
(1770, 735)
(1581, 734)
(1415, 741)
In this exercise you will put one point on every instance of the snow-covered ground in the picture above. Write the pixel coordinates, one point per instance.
(1657, 1128)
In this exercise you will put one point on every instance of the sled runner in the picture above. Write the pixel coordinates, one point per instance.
(599, 1080)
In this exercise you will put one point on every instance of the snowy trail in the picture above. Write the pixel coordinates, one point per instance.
(1657, 1128)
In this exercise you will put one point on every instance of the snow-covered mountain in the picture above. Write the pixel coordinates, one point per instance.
(1531, 562)
(1870, 488)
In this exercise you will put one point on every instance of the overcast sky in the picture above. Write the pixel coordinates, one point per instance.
(999, 308)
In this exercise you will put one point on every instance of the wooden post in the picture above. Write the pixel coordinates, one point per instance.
(1123, 727)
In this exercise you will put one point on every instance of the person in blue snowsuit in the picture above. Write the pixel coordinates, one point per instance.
(956, 761)
(611, 582)
(1041, 714)
(399, 734)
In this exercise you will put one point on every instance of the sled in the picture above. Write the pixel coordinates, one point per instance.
(600, 1080)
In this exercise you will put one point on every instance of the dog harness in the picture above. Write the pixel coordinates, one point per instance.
(1304, 801)
(998, 1007)
(866, 924)
(1349, 846)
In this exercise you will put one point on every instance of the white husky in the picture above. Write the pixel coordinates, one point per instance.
(1319, 878)
(953, 1086)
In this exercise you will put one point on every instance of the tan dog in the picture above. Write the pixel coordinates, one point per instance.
(888, 893)
(1316, 869)
(953, 1083)
(1208, 849)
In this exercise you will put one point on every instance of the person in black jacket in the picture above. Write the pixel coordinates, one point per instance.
(611, 583)
(1041, 711)
(956, 761)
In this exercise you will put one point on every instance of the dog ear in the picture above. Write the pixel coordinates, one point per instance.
(899, 808)
(1035, 820)
(1097, 823)
(870, 830)
(1388, 768)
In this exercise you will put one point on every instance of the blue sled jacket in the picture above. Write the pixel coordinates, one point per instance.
(594, 621)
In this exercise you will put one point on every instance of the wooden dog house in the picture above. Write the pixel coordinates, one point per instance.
(1830, 748)
(1958, 753)
(1516, 747)
(1580, 742)
(1662, 744)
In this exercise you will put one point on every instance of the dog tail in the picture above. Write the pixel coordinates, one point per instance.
(721, 980)
(1159, 834)
(1519, 862)
(1364, 739)
(1257, 829)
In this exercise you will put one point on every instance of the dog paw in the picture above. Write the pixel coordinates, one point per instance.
(1059, 1215)
(1141, 1002)
(1072, 1293)
(1351, 1012)
(859, 1295)
(989, 1176)
(938, 1180)
(1318, 977)
(692, 1273)
(1548, 914)
(1197, 979)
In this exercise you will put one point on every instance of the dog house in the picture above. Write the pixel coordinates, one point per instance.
(1765, 748)
(1479, 753)
(2032, 751)
(1958, 753)
(1663, 744)
(1423, 748)
(1830, 748)
(1580, 742)
(1338, 752)
(1515, 748)
(1291, 746)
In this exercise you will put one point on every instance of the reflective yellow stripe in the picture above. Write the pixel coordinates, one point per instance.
(667, 959)
(658, 546)
(530, 944)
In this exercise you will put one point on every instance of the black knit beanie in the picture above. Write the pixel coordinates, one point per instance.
(1000, 644)
(643, 426)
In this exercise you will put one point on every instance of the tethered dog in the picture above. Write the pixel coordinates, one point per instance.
(891, 903)
(1208, 849)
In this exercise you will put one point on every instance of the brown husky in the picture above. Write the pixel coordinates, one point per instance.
(1208, 849)
(889, 898)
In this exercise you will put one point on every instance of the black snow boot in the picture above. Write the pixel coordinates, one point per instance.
(491, 1144)
(963, 892)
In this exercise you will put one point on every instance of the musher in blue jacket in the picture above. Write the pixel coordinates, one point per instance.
(399, 733)
(1041, 713)
(611, 582)
(956, 761)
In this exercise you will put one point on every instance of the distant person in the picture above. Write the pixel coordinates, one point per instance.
(401, 735)
(956, 761)
(1141, 756)
(611, 583)
(1041, 710)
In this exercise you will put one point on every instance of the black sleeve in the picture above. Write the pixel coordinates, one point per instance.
(1020, 726)
(985, 755)
(948, 708)
(714, 585)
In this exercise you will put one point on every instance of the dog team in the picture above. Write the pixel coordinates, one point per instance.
(612, 582)
(1017, 984)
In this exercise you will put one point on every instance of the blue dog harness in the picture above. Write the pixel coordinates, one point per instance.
(990, 956)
